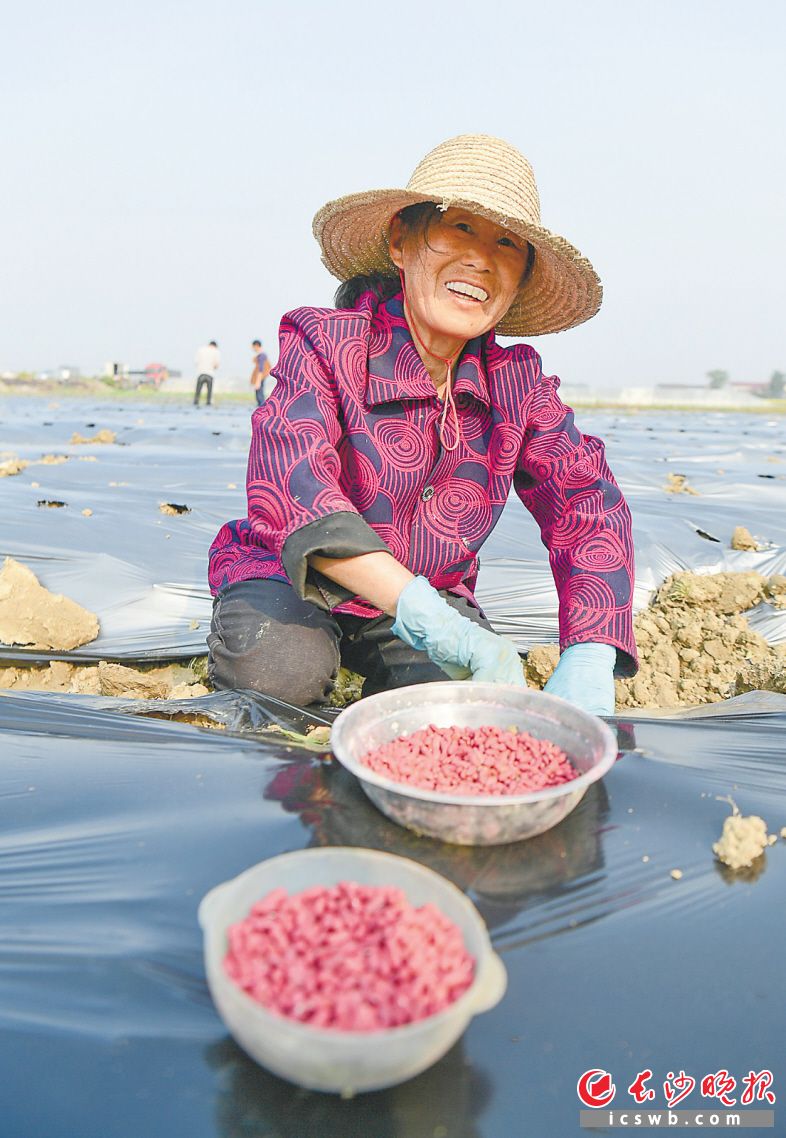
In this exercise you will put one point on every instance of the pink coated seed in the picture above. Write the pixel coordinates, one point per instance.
(348, 957)
(472, 760)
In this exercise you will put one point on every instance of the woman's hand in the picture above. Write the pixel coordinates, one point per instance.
(426, 621)
(584, 677)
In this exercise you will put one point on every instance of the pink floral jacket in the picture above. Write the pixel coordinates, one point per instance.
(346, 458)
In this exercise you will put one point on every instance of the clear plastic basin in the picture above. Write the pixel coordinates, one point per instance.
(476, 820)
(341, 1061)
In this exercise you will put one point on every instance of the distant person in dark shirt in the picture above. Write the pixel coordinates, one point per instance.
(260, 373)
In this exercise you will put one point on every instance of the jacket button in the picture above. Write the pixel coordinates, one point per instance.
(427, 494)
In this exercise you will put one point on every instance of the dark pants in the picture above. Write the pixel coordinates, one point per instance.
(260, 394)
(264, 637)
(203, 380)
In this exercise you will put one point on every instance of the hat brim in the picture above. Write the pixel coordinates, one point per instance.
(562, 291)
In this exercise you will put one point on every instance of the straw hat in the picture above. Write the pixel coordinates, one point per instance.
(486, 176)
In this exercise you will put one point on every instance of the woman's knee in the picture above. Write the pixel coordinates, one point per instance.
(268, 640)
(310, 681)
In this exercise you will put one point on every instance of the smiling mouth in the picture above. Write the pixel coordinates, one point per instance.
(471, 292)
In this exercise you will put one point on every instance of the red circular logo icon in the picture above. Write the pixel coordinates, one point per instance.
(595, 1088)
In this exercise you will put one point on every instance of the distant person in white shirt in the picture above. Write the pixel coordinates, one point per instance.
(207, 361)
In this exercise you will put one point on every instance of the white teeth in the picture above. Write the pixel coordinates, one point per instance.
(467, 290)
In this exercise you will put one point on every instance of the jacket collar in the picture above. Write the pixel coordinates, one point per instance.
(396, 371)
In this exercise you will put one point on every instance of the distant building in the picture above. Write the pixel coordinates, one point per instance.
(751, 388)
(155, 373)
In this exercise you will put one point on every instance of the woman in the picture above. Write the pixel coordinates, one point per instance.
(384, 457)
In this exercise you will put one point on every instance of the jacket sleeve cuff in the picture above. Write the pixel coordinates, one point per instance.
(337, 535)
(627, 664)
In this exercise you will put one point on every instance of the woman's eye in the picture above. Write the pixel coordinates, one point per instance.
(508, 241)
(462, 225)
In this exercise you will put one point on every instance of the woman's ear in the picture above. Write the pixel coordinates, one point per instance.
(396, 242)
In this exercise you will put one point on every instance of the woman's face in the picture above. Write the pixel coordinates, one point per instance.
(461, 276)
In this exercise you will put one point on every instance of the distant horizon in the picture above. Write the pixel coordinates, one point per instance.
(138, 369)
(48, 374)
(237, 383)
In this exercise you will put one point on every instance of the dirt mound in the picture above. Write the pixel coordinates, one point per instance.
(103, 436)
(12, 466)
(695, 646)
(172, 681)
(32, 617)
(742, 538)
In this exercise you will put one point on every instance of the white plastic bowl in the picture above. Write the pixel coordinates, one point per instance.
(473, 820)
(341, 1061)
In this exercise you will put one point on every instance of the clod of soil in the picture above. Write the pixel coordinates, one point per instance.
(744, 838)
(541, 661)
(51, 503)
(678, 484)
(742, 538)
(775, 591)
(717, 592)
(32, 617)
(319, 736)
(102, 436)
(173, 509)
(12, 466)
(172, 682)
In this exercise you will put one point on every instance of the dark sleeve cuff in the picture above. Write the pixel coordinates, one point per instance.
(626, 665)
(338, 535)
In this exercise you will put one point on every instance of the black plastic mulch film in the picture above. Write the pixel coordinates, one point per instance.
(115, 824)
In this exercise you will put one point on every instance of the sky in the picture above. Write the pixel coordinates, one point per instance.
(161, 162)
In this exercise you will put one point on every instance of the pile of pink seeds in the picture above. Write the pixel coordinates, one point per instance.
(349, 957)
(472, 760)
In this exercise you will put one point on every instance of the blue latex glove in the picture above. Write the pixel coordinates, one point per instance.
(584, 677)
(463, 649)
